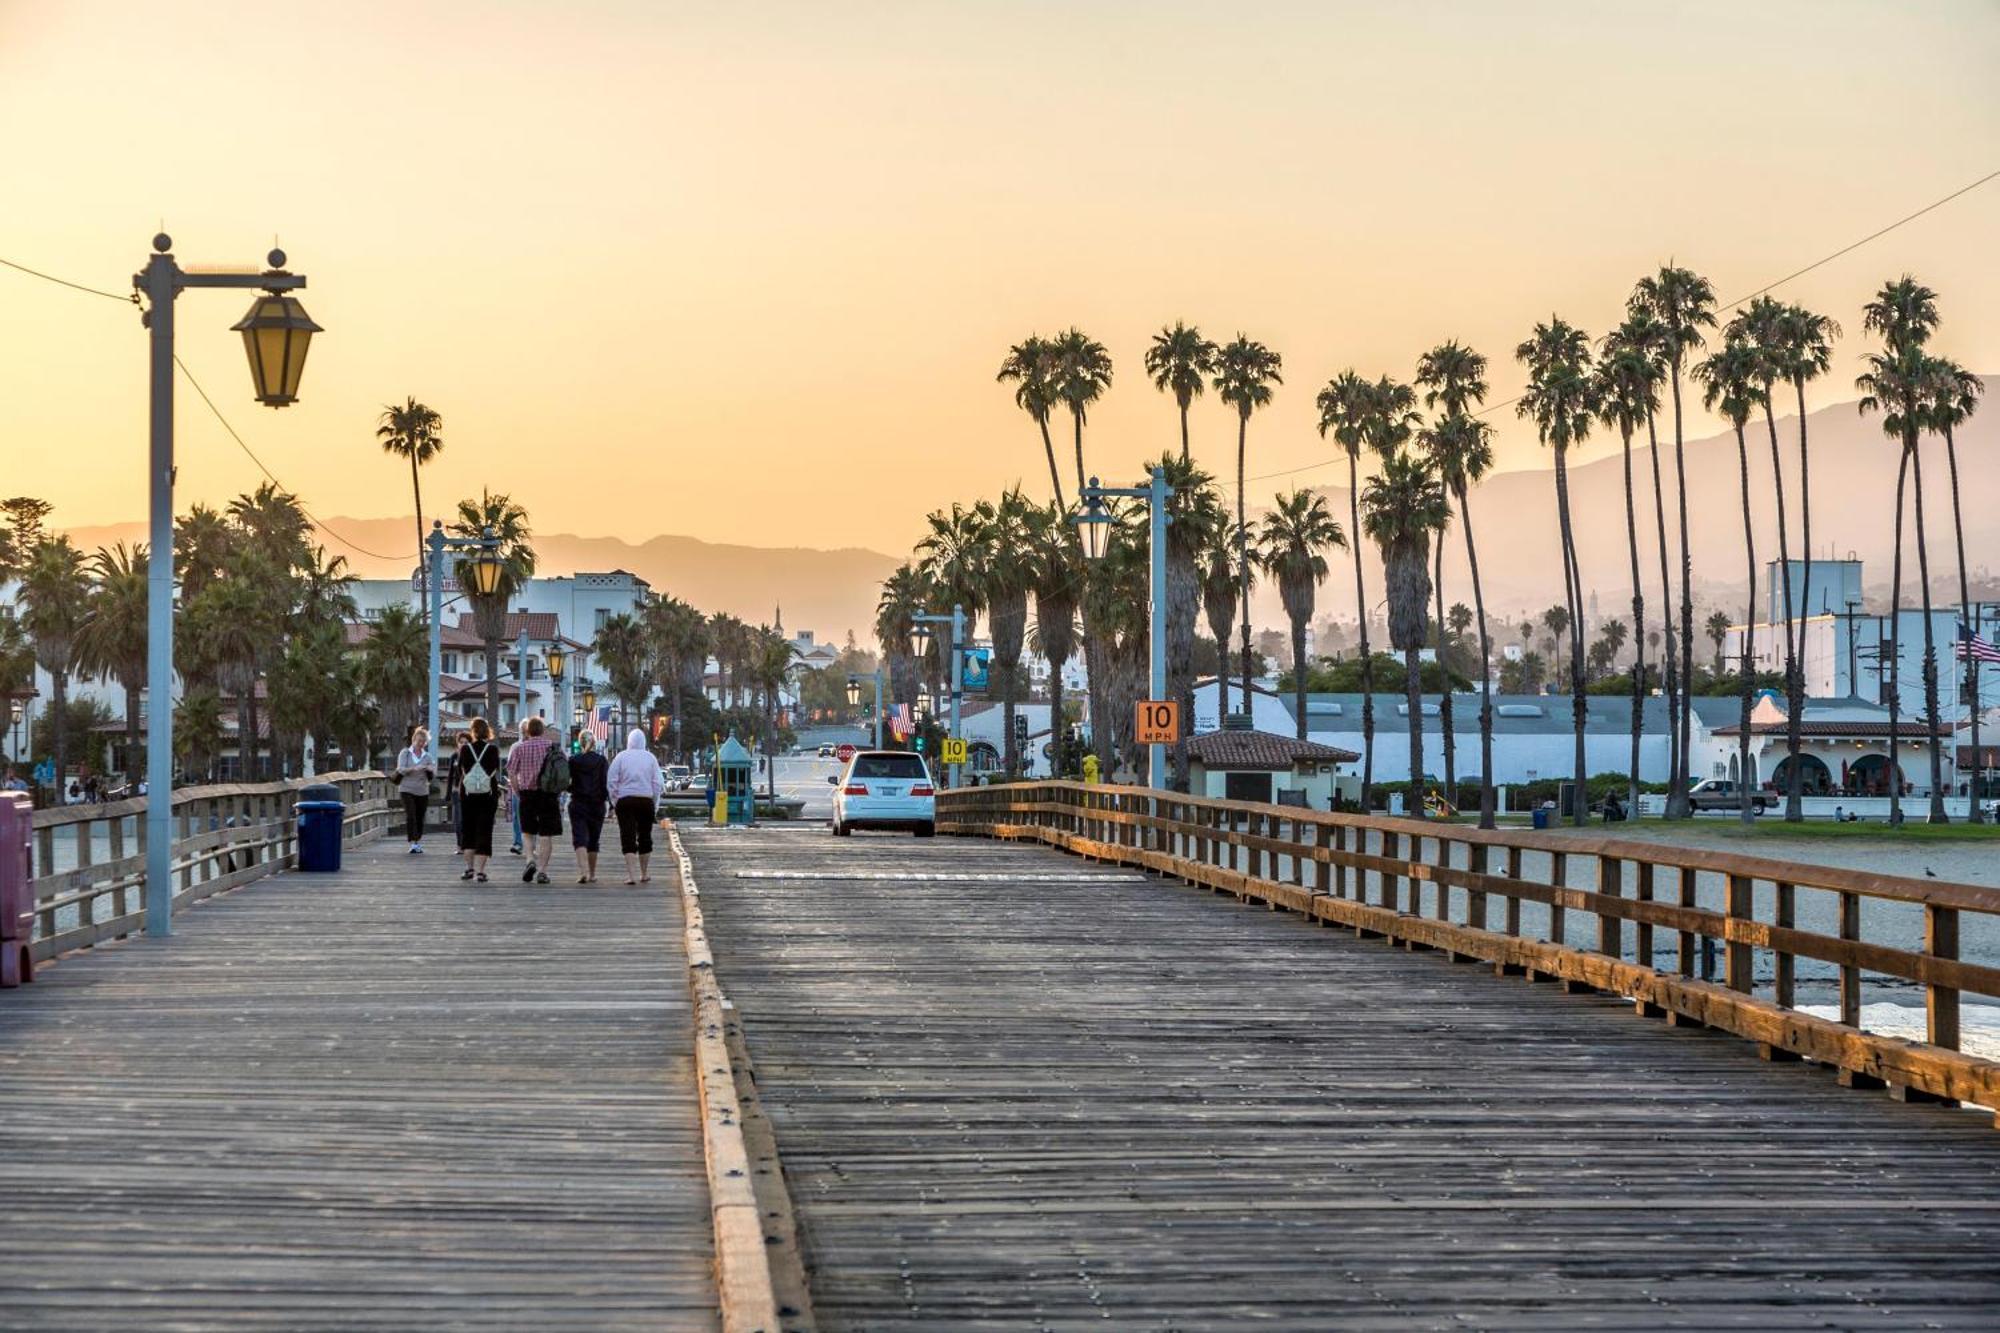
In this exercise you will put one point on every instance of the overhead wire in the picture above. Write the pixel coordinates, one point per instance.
(248, 452)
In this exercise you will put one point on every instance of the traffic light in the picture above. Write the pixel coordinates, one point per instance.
(920, 744)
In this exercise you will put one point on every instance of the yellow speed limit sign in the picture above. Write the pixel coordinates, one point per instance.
(1158, 723)
(953, 750)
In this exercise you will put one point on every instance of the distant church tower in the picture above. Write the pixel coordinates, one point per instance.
(778, 622)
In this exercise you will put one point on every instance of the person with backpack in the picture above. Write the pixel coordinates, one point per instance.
(477, 771)
(538, 773)
(589, 799)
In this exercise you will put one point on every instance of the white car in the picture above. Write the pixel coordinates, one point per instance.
(677, 777)
(884, 789)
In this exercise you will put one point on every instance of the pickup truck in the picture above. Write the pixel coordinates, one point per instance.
(1721, 794)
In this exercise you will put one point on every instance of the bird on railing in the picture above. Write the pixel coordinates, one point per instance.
(1929, 873)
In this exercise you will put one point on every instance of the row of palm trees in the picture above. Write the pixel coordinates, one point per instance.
(1424, 469)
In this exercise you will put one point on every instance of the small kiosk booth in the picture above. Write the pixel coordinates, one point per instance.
(735, 794)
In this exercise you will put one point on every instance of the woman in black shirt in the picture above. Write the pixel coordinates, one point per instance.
(588, 800)
(476, 768)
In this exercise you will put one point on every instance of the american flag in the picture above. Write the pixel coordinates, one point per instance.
(599, 724)
(1971, 645)
(901, 724)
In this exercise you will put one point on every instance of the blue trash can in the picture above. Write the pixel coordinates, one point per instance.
(1541, 818)
(322, 815)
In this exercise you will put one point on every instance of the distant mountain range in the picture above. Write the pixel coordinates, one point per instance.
(1513, 514)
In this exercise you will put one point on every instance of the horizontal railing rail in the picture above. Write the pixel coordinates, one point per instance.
(88, 872)
(1556, 906)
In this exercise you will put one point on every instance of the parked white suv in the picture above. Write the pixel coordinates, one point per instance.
(884, 789)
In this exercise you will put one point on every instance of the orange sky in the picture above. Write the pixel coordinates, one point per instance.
(745, 272)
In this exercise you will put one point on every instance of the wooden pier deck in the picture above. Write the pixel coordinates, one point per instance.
(383, 1099)
(1015, 1089)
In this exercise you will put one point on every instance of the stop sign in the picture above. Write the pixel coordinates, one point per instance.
(845, 753)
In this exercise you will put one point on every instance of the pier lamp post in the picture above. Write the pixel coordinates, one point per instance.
(920, 644)
(1095, 521)
(589, 697)
(483, 571)
(521, 679)
(557, 658)
(854, 697)
(277, 333)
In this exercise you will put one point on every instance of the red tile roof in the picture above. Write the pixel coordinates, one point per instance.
(1262, 751)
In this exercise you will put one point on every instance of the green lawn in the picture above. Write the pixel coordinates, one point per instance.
(1774, 826)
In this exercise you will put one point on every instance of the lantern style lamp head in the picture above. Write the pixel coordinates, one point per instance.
(558, 661)
(920, 640)
(15, 707)
(589, 698)
(1094, 521)
(853, 694)
(485, 568)
(923, 701)
(276, 333)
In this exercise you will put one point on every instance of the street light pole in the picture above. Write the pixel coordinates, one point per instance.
(521, 681)
(485, 575)
(1155, 493)
(957, 622)
(854, 697)
(161, 282)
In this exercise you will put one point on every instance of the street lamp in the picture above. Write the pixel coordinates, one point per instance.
(854, 697)
(276, 333)
(1093, 519)
(589, 699)
(558, 661)
(920, 641)
(17, 708)
(924, 702)
(482, 572)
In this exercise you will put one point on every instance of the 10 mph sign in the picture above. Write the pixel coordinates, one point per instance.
(1158, 722)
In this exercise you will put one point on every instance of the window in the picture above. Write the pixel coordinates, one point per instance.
(890, 766)
(1246, 787)
(603, 616)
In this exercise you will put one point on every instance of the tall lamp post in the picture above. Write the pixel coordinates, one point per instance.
(558, 661)
(483, 570)
(920, 644)
(521, 679)
(1094, 520)
(854, 697)
(276, 334)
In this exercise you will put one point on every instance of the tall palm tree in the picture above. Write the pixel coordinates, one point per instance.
(1460, 450)
(111, 638)
(54, 598)
(1291, 546)
(1627, 388)
(620, 649)
(1031, 366)
(1452, 376)
(1644, 333)
(1244, 372)
(954, 554)
(1733, 376)
(1561, 397)
(1177, 360)
(1196, 518)
(677, 644)
(273, 523)
(1405, 504)
(905, 594)
(1682, 304)
(1010, 574)
(202, 543)
(415, 432)
(1802, 345)
(395, 667)
(508, 523)
(1345, 406)
(1904, 312)
(1219, 604)
(1081, 373)
(1952, 396)
(1057, 579)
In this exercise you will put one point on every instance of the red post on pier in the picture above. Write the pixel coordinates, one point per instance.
(16, 890)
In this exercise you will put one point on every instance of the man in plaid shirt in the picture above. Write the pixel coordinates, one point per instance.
(541, 811)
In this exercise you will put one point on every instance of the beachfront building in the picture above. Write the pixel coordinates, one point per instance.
(1844, 750)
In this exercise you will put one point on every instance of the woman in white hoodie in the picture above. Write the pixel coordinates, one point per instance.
(633, 784)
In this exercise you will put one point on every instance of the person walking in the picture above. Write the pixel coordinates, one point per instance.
(540, 811)
(452, 794)
(477, 766)
(589, 797)
(415, 770)
(633, 784)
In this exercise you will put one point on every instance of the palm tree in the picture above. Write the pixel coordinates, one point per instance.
(1345, 405)
(415, 432)
(1219, 604)
(1681, 304)
(111, 637)
(1196, 518)
(198, 731)
(396, 666)
(54, 597)
(1733, 379)
(1244, 372)
(1952, 394)
(620, 648)
(202, 543)
(1081, 374)
(954, 554)
(1010, 574)
(1460, 450)
(1404, 505)
(1717, 629)
(1904, 312)
(1644, 333)
(677, 643)
(1561, 397)
(1292, 546)
(1556, 621)
(1802, 345)
(1628, 380)
(1177, 361)
(905, 593)
(1031, 365)
(1056, 577)
(1453, 376)
(508, 524)
(273, 523)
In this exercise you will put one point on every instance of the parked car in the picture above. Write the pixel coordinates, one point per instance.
(1722, 794)
(827, 752)
(884, 789)
(678, 777)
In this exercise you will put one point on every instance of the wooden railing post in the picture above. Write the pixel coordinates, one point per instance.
(1610, 929)
(1850, 975)
(1737, 958)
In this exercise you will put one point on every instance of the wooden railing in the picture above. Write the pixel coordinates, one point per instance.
(89, 861)
(1555, 906)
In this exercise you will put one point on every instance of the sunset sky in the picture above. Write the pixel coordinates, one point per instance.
(744, 272)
